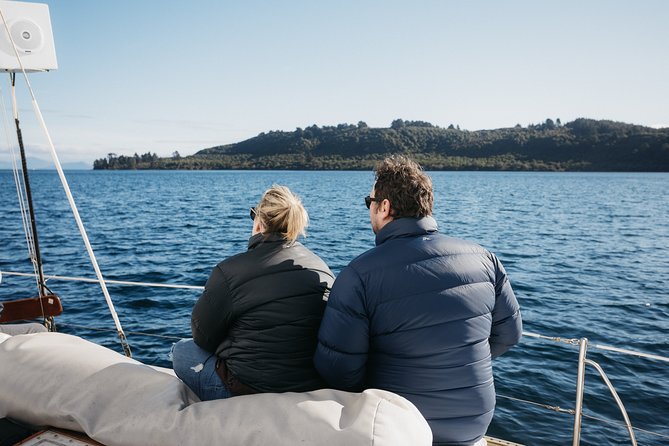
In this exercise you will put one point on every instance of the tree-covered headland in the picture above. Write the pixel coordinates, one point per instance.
(580, 145)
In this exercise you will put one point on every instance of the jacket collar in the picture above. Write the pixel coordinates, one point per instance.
(406, 227)
(260, 238)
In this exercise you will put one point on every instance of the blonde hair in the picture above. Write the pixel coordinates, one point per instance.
(281, 211)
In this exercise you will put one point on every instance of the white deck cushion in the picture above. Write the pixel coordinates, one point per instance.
(64, 381)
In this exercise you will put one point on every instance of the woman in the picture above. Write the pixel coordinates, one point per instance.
(255, 326)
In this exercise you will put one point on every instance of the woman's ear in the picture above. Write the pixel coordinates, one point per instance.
(258, 227)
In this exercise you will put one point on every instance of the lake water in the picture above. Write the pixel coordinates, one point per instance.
(586, 254)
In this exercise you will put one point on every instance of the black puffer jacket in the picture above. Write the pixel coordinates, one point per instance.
(260, 312)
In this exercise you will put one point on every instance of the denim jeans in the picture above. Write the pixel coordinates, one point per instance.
(197, 369)
(19, 329)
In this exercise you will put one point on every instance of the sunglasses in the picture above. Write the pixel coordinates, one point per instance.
(253, 213)
(368, 200)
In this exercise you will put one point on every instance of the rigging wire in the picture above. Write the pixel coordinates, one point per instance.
(572, 412)
(598, 346)
(152, 335)
(35, 252)
(534, 403)
(110, 281)
(66, 187)
(28, 195)
(18, 181)
(25, 200)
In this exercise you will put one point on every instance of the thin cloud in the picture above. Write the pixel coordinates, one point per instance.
(184, 123)
(51, 112)
(189, 141)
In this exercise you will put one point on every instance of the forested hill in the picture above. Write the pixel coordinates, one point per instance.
(581, 145)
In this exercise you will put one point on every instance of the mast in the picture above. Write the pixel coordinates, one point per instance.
(35, 251)
(24, 41)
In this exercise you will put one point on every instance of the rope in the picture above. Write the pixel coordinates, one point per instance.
(70, 198)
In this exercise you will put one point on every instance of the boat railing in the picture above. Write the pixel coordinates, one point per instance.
(582, 344)
(577, 412)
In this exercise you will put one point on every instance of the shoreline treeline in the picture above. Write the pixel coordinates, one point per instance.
(580, 145)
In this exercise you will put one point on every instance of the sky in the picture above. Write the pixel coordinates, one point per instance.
(163, 75)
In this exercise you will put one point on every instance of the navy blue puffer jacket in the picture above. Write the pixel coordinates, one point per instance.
(422, 315)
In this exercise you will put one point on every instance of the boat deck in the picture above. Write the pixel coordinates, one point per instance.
(60, 437)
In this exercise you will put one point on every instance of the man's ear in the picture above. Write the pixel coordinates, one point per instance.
(384, 208)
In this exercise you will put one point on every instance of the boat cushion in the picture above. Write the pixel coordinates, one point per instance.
(67, 382)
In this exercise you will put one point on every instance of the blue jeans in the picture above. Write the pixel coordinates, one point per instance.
(19, 329)
(197, 369)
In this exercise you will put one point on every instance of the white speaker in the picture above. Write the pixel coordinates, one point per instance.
(29, 26)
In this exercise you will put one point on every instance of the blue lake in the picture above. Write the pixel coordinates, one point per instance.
(587, 254)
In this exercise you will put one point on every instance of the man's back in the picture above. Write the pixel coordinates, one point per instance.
(420, 315)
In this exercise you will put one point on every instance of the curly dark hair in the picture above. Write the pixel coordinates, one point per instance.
(403, 182)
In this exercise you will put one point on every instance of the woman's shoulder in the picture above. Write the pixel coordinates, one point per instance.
(308, 258)
(232, 259)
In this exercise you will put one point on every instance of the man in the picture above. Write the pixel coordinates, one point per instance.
(421, 314)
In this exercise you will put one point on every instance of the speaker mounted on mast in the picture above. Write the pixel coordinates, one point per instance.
(29, 25)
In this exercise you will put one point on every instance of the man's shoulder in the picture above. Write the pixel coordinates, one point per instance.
(438, 244)
(460, 245)
(366, 258)
(386, 250)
